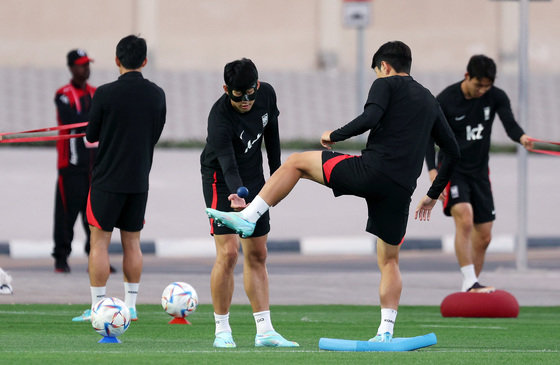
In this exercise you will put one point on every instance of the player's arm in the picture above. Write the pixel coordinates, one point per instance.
(431, 159)
(378, 99)
(445, 139)
(220, 139)
(95, 117)
(272, 144)
(161, 121)
(513, 129)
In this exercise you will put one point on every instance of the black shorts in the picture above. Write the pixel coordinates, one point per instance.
(388, 203)
(216, 195)
(475, 189)
(109, 210)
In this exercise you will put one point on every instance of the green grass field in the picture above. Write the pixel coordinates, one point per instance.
(32, 334)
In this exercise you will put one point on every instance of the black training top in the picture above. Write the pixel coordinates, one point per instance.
(401, 115)
(471, 121)
(72, 106)
(127, 118)
(233, 145)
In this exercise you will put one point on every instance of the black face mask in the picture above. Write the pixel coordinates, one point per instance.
(245, 96)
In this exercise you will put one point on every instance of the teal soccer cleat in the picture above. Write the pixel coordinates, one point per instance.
(84, 317)
(273, 339)
(133, 314)
(224, 340)
(232, 220)
(385, 337)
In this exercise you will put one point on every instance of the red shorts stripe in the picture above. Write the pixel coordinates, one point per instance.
(331, 163)
(447, 191)
(89, 213)
(214, 204)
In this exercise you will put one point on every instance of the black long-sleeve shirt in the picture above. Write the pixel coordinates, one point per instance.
(234, 141)
(401, 116)
(471, 121)
(127, 118)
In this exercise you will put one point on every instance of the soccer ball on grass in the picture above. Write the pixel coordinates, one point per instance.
(179, 300)
(110, 317)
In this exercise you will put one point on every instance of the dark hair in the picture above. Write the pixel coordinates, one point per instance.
(395, 53)
(481, 66)
(241, 74)
(131, 51)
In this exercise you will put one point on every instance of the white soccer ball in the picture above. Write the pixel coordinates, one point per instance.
(110, 317)
(179, 299)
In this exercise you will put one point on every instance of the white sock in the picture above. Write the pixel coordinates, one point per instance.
(97, 293)
(222, 323)
(469, 277)
(388, 318)
(262, 320)
(130, 294)
(255, 210)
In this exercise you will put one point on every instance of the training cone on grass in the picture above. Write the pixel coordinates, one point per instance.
(108, 339)
(179, 321)
(498, 304)
(396, 344)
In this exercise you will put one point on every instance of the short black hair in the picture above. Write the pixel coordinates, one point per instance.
(395, 53)
(481, 66)
(241, 74)
(131, 51)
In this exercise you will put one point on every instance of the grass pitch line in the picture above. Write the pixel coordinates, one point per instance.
(396, 344)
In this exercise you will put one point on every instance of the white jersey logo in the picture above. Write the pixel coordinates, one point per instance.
(475, 133)
(264, 119)
(486, 113)
(250, 143)
(461, 117)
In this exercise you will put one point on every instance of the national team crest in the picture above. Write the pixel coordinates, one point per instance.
(265, 119)
(486, 113)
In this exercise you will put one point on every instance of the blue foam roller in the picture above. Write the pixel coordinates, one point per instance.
(396, 344)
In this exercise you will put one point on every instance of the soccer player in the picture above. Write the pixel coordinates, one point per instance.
(127, 118)
(470, 107)
(400, 115)
(75, 159)
(244, 116)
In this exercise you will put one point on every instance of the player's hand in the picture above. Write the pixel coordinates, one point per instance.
(237, 203)
(525, 140)
(424, 208)
(326, 140)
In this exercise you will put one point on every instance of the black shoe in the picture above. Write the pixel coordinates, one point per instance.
(477, 288)
(61, 266)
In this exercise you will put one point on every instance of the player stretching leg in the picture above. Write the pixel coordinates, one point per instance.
(400, 115)
(470, 107)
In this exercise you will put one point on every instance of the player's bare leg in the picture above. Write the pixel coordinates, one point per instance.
(221, 277)
(390, 287)
(303, 165)
(463, 216)
(222, 285)
(98, 261)
(481, 237)
(464, 228)
(132, 256)
(132, 269)
(255, 275)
